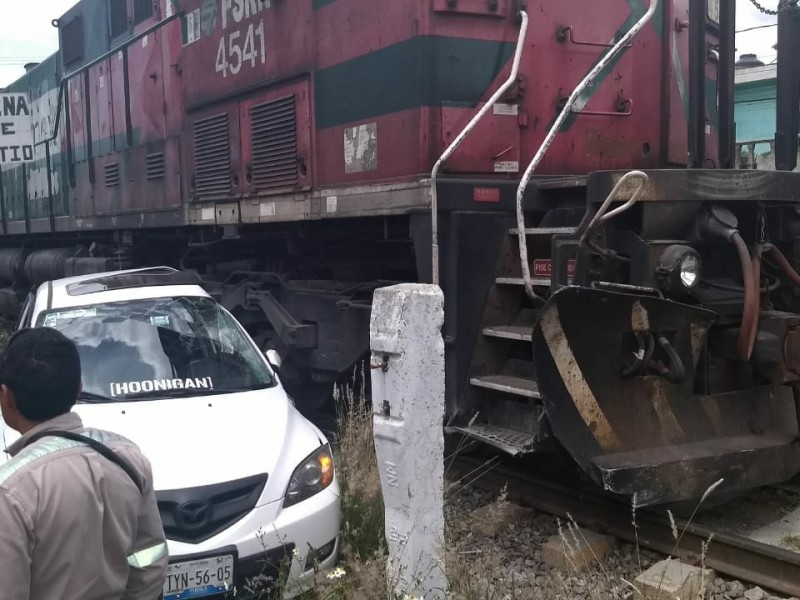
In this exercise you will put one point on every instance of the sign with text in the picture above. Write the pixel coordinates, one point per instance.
(16, 133)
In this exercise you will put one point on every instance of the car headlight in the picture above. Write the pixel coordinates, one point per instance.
(310, 477)
(679, 269)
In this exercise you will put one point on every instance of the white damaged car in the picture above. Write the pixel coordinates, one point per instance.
(246, 485)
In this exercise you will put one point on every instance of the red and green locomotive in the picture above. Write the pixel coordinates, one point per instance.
(564, 170)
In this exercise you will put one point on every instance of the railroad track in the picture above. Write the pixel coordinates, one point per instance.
(767, 566)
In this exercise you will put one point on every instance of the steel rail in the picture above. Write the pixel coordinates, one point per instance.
(767, 566)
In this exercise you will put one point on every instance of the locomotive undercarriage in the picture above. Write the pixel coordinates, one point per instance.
(303, 289)
(654, 386)
(658, 381)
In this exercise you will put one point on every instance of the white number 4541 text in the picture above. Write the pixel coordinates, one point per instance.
(231, 56)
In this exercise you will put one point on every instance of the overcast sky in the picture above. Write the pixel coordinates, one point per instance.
(27, 35)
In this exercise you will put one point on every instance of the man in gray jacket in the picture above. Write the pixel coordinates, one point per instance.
(78, 513)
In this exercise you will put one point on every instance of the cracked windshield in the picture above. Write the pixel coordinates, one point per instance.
(159, 348)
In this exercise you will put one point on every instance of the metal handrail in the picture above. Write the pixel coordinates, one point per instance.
(93, 63)
(601, 216)
(461, 137)
(567, 108)
(750, 162)
(62, 106)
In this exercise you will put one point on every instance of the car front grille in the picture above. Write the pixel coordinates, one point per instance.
(194, 515)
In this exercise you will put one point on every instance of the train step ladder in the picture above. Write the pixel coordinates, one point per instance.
(511, 414)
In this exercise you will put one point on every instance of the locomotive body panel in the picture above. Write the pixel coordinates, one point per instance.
(283, 151)
(379, 90)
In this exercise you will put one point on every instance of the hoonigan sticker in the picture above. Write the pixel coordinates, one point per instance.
(158, 385)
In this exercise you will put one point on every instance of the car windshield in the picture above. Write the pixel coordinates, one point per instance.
(159, 348)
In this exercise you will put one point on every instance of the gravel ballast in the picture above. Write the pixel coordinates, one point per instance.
(495, 552)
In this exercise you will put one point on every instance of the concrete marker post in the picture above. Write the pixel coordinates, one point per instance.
(408, 405)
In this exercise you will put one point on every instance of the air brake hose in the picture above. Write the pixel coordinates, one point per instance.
(651, 347)
(677, 372)
(638, 360)
(749, 330)
(643, 356)
(753, 333)
(783, 263)
(750, 312)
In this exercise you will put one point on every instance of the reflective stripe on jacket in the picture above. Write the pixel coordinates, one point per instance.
(73, 524)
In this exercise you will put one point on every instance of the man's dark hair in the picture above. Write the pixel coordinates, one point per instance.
(42, 367)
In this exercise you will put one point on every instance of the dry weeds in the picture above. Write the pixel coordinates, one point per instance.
(362, 570)
(472, 572)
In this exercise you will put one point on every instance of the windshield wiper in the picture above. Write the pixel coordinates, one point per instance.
(92, 398)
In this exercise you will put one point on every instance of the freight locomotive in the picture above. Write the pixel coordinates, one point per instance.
(564, 170)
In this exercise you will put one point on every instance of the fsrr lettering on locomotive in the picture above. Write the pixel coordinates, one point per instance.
(16, 135)
(237, 10)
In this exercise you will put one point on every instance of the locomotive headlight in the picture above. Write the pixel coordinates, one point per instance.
(690, 270)
(679, 269)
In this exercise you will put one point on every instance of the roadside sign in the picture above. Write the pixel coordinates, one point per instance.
(16, 132)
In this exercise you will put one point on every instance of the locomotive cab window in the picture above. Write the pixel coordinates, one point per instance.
(72, 41)
(142, 10)
(118, 16)
(712, 11)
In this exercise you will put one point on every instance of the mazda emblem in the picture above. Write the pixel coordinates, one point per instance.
(193, 515)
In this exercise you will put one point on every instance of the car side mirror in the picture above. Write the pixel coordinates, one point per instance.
(273, 358)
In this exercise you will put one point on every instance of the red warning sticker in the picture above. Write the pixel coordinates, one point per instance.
(543, 267)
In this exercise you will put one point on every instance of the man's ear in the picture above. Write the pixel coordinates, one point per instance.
(8, 404)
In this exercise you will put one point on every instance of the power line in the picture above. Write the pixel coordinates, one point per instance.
(757, 27)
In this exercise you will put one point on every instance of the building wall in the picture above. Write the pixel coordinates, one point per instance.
(754, 112)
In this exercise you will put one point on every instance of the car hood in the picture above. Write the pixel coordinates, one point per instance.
(193, 442)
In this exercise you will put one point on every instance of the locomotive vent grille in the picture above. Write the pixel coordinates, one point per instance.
(212, 156)
(155, 166)
(111, 172)
(273, 134)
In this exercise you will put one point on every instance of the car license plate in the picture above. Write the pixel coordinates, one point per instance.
(199, 577)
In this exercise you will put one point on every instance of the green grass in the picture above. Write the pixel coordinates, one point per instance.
(791, 542)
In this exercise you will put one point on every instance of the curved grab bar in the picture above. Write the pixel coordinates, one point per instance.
(523, 30)
(601, 216)
(548, 140)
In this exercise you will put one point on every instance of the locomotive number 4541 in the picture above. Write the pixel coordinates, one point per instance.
(240, 47)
